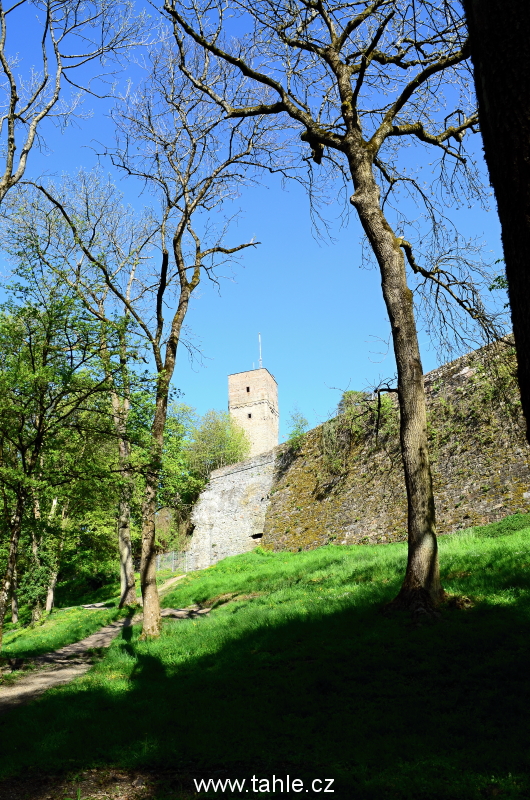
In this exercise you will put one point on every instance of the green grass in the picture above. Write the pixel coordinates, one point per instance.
(307, 678)
(63, 626)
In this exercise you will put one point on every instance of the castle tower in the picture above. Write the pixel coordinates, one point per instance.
(253, 403)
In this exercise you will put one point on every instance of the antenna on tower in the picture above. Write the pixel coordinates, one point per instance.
(260, 359)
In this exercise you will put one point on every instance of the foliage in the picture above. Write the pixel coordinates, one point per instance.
(215, 441)
(500, 282)
(179, 485)
(57, 452)
(352, 401)
(298, 426)
(294, 660)
(362, 419)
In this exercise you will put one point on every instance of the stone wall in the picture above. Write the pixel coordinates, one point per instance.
(479, 454)
(229, 516)
(345, 484)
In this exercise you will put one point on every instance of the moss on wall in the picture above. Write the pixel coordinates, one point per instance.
(345, 484)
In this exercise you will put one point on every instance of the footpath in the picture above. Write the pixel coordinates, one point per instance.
(64, 665)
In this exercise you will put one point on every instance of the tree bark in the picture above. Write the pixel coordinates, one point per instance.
(127, 580)
(14, 598)
(50, 594)
(16, 527)
(499, 36)
(151, 601)
(52, 583)
(36, 611)
(421, 588)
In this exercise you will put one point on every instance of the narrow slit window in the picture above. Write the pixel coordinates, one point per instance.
(250, 416)
(248, 388)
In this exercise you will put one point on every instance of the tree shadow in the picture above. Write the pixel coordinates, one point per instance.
(386, 711)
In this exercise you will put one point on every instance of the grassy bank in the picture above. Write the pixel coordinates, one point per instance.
(296, 672)
(63, 626)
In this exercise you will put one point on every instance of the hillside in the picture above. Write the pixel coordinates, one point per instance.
(296, 672)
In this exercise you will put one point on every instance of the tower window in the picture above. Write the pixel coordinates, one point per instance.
(248, 388)
(250, 416)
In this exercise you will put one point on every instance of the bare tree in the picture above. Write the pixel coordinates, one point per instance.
(502, 83)
(177, 142)
(361, 79)
(71, 34)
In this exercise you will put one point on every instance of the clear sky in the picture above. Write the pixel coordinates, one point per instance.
(320, 314)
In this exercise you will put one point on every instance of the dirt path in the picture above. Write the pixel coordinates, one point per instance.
(69, 662)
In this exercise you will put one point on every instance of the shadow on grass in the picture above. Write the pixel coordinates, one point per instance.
(385, 710)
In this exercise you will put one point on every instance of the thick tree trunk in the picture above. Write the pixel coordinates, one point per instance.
(52, 583)
(121, 413)
(421, 588)
(500, 51)
(16, 527)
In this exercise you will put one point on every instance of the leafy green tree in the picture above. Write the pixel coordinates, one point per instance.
(53, 398)
(351, 400)
(179, 484)
(40, 241)
(216, 441)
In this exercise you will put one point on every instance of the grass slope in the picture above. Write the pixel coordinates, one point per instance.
(63, 626)
(303, 676)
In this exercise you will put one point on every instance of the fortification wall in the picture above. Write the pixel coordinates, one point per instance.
(229, 516)
(479, 454)
(345, 484)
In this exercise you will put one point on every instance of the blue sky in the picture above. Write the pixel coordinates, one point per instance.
(320, 314)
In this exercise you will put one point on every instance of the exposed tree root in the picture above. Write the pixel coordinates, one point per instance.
(459, 601)
(418, 603)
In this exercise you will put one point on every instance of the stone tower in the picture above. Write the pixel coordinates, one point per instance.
(253, 403)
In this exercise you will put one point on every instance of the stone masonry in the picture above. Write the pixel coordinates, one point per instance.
(253, 403)
(230, 514)
(289, 500)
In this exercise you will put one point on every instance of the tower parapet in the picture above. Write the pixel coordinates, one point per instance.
(253, 403)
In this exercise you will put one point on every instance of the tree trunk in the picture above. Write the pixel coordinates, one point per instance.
(499, 37)
(50, 594)
(127, 580)
(421, 588)
(121, 406)
(151, 600)
(152, 619)
(36, 611)
(16, 526)
(14, 598)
